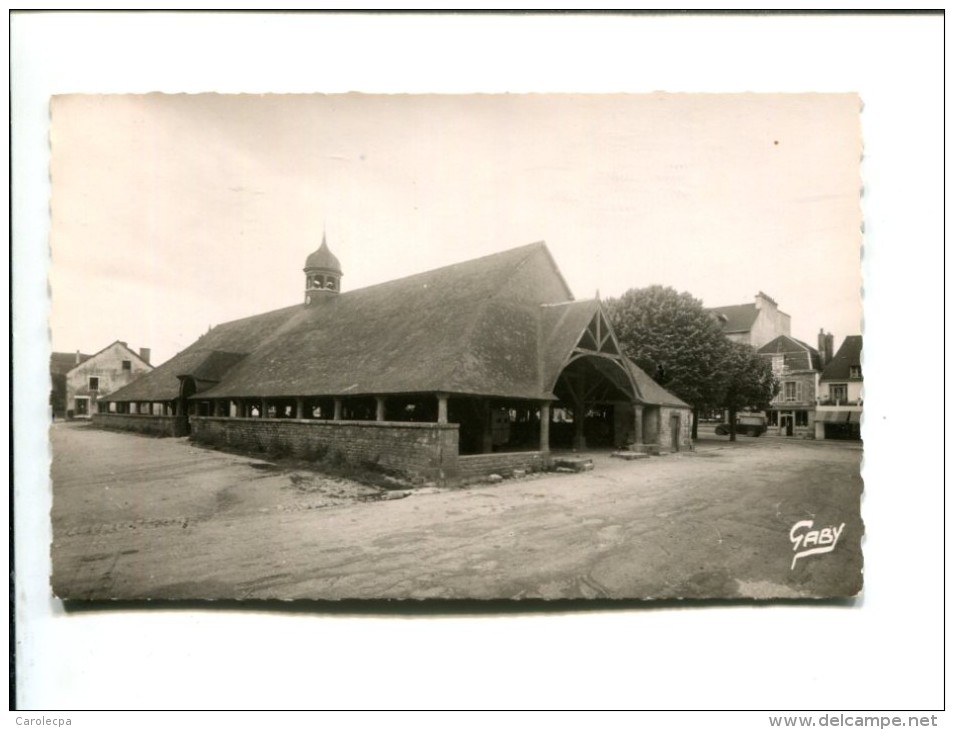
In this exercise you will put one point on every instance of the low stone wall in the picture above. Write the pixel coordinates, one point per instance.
(153, 425)
(477, 465)
(428, 450)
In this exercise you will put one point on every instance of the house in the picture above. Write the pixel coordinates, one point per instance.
(93, 379)
(753, 324)
(60, 364)
(796, 365)
(840, 393)
(471, 368)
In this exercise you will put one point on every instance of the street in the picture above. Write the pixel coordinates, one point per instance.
(138, 517)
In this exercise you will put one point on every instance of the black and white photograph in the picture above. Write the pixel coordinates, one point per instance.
(456, 346)
(477, 360)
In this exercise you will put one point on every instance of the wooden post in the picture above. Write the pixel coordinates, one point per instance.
(337, 409)
(264, 413)
(441, 408)
(637, 424)
(487, 440)
(579, 416)
(545, 426)
(299, 408)
(379, 410)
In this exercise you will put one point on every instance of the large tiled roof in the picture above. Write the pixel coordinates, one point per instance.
(502, 325)
(848, 356)
(466, 328)
(737, 317)
(797, 355)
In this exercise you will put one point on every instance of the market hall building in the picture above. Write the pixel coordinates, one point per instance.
(479, 367)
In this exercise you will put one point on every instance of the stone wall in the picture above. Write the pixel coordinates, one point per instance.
(476, 465)
(665, 428)
(428, 450)
(153, 425)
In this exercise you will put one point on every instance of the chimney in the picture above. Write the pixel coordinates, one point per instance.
(77, 358)
(826, 347)
(145, 353)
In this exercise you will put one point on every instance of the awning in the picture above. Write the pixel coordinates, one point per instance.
(846, 415)
(833, 416)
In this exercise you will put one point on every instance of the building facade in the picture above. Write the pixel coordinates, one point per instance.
(93, 380)
(60, 364)
(796, 365)
(482, 365)
(841, 393)
(753, 324)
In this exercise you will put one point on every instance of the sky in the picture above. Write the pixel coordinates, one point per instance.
(171, 213)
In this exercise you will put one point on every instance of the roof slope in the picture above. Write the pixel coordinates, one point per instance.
(560, 328)
(467, 328)
(738, 317)
(651, 392)
(797, 354)
(236, 337)
(62, 362)
(460, 329)
(848, 356)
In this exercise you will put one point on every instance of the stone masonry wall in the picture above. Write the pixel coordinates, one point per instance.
(482, 464)
(417, 449)
(153, 425)
(665, 428)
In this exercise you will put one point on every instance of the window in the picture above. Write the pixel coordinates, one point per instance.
(778, 364)
(854, 371)
(801, 418)
(773, 418)
(838, 392)
(127, 364)
(790, 391)
(93, 383)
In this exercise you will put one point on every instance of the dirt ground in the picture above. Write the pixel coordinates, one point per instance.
(138, 517)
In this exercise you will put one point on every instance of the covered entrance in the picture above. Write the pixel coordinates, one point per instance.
(595, 394)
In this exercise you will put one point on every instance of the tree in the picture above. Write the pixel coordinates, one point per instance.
(748, 381)
(672, 337)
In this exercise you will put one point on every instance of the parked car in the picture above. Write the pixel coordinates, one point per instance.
(749, 425)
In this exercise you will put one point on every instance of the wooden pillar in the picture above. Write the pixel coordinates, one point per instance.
(637, 424)
(299, 408)
(545, 426)
(337, 409)
(487, 437)
(379, 410)
(264, 413)
(579, 416)
(441, 408)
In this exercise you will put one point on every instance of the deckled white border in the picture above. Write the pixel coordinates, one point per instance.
(716, 657)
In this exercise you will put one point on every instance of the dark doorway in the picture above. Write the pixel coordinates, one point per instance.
(674, 428)
(787, 426)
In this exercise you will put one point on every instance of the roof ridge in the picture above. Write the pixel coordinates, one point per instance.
(428, 272)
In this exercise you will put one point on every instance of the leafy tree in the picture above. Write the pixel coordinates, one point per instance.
(748, 381)
(672, 337)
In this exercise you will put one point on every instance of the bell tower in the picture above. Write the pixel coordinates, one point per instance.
(322, 274)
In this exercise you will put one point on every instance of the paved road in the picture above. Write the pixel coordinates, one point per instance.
(138, 517)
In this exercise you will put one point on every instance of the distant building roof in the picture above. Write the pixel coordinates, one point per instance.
(736, 317)
(847, 357)
(62, 362)
(797, 355)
